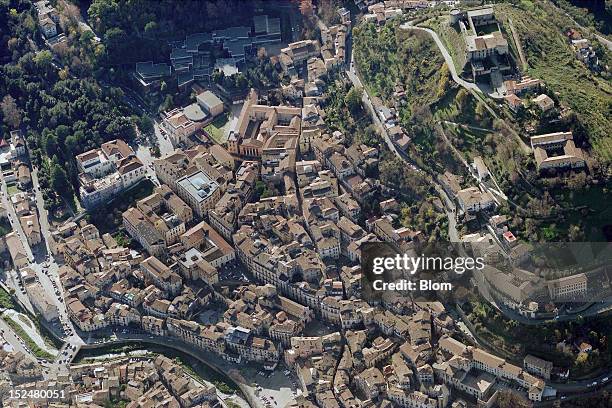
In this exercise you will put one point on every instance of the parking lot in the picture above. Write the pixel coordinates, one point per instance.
(271, 391)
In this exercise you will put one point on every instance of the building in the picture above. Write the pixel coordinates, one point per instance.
(569, 287)
(210, 103)
(538, 366)
(31, 229)
(546, 147)
(19, 256)
(148, 76)
(161, 275)
(40, 301)
(182, 123)
(48, 18)
(371, 382)
(107, 171)
(259, 123)
(142, 230)
(473, 200)
(199, 191)
(544, 102)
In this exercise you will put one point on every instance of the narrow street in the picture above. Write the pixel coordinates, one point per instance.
(11, 338)
(448, 203)
(14, 220)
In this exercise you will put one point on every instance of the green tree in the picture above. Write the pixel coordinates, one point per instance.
(353, 99)
(43, 60)
(59, 180)
(145, 124)
(151, 28)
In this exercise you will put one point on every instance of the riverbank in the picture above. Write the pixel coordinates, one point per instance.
(227, 389)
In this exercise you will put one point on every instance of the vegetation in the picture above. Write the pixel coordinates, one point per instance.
(36, 350)
(602, 400)
(137, 31)
(215, 129)
(541, 27)
(64, 116)
(122, 239)
(593, 14)
(111, 219)
(6, 301)
(5, 226)
(224, 387)
(345, 113)
(512, 338)
(394, 56)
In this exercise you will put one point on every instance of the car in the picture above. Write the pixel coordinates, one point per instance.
(605, 379)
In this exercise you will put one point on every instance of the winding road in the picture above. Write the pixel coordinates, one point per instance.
(447, 57)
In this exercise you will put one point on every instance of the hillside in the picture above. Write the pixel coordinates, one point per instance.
(541, 28)
(393, 56)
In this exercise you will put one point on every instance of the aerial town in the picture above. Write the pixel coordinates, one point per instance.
(193, 193)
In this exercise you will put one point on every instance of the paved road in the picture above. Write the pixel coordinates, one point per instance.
(447, 57)
(449, 204)
(11, 338)
(30, 329)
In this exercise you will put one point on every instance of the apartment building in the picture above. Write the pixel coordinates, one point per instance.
(107, 171)
(161, 275)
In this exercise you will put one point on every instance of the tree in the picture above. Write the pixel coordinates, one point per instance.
(262, 54)
(43, 59)
(306, 7)
(444, 81)
(462, 97)
(145, 124)
(151, 28)
(59, 180)
(353, 99)
(12, 115)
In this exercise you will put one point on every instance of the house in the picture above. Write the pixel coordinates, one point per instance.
(19, 256)
(31, 229)
(107, 171)
(538, 366)
(473, 200)
(514, 102)
(48, 27)
(371, 382)
(24, 178)
(345, 15)
(199, 191)
(544, 102)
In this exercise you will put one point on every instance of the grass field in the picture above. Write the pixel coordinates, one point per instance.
(216, 129)
(12, 189)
